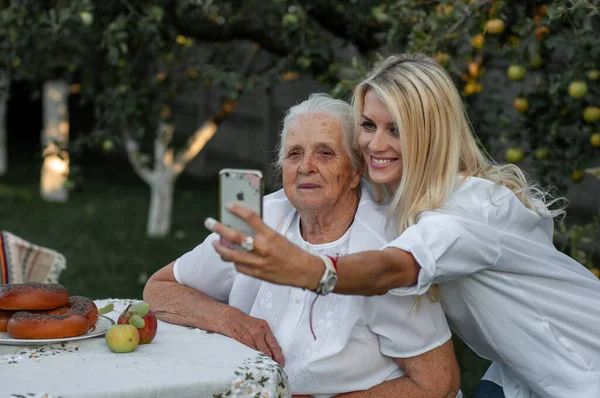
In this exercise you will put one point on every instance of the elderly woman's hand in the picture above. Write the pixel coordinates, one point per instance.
(271, 256)
(253, 332)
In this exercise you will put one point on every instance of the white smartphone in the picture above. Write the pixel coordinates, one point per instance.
(244, 187)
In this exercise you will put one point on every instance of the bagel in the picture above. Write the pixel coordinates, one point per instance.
(32, 296)
(74, 319)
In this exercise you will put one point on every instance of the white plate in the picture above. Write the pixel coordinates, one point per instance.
(99, 329)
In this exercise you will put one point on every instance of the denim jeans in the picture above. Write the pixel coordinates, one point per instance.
(488, 389)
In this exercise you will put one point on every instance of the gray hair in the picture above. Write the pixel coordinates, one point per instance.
(320, 103)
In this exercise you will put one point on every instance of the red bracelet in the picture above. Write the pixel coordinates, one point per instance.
(334, 261)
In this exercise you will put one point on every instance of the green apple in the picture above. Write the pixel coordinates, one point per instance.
(578, 89)
(593, 74)
(122, 338)
(87, 18)
(542, 153)
(514, 155)
(290, 19)
(516, 72)
(591, 114)
(107, 145)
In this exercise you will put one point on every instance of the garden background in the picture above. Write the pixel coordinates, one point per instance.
(115, 116)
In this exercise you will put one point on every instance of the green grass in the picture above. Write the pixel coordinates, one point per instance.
(101, 232)
(101, 229)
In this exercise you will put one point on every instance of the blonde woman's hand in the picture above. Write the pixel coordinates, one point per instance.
(273, 258)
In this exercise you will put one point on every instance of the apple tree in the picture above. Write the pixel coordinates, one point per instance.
(529, 73)
(44, 43)
(151, 52)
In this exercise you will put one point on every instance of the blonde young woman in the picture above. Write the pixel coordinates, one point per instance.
(479, 231)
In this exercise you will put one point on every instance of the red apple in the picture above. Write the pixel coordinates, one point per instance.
(140, 311)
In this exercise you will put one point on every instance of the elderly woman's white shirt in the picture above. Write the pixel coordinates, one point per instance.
(508, 293)
(353, 351)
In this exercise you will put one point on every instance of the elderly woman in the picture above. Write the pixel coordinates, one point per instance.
(336, 344)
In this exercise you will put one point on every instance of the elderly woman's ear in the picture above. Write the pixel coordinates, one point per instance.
(356, 177)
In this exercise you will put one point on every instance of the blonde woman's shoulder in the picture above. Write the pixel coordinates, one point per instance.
(492, 203)
(469, 199)
(480, 190)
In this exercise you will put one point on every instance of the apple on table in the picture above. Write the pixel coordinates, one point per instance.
(122, 338)
(141, 316)
(136, 325)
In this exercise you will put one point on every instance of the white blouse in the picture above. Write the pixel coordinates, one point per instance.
(356, 336)
(508, 293)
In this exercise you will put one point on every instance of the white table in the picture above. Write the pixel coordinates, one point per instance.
(180, 362)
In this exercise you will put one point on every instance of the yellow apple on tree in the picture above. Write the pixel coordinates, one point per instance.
(516, 72)
(591, 114)
(495, 26)
(578, 89)
(578, 175)
(477, 41)
(521, 104)
(514, 155)
(536, 62)
(442, 58)
(542, 153)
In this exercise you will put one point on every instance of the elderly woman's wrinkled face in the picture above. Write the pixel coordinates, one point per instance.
(317, 171)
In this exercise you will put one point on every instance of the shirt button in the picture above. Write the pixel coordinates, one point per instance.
(297, 300)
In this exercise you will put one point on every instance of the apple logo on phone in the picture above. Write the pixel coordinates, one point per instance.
(240, 196)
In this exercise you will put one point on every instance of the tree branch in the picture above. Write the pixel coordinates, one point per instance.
(197, 24)
(164, 135)
(595, 171)
(132, 149)
(465, 17)
(359, 30)
(209, 128)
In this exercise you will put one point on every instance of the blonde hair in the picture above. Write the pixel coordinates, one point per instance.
(437, 142)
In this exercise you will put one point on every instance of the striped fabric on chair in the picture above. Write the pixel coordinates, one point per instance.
(22, 261)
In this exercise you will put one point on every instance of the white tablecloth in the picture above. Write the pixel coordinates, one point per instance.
(180, 362)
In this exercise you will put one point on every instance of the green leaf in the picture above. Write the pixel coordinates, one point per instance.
(106, 309)
(137, 321)
(140, 308)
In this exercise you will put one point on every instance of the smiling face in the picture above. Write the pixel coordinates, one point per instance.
(316, 169)
(379, 142)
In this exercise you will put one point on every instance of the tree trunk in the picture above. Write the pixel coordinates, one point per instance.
(161, 204)
(4, 87)
(55, 137)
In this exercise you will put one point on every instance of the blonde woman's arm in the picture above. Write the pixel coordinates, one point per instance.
(435, 250)
(277, 260)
